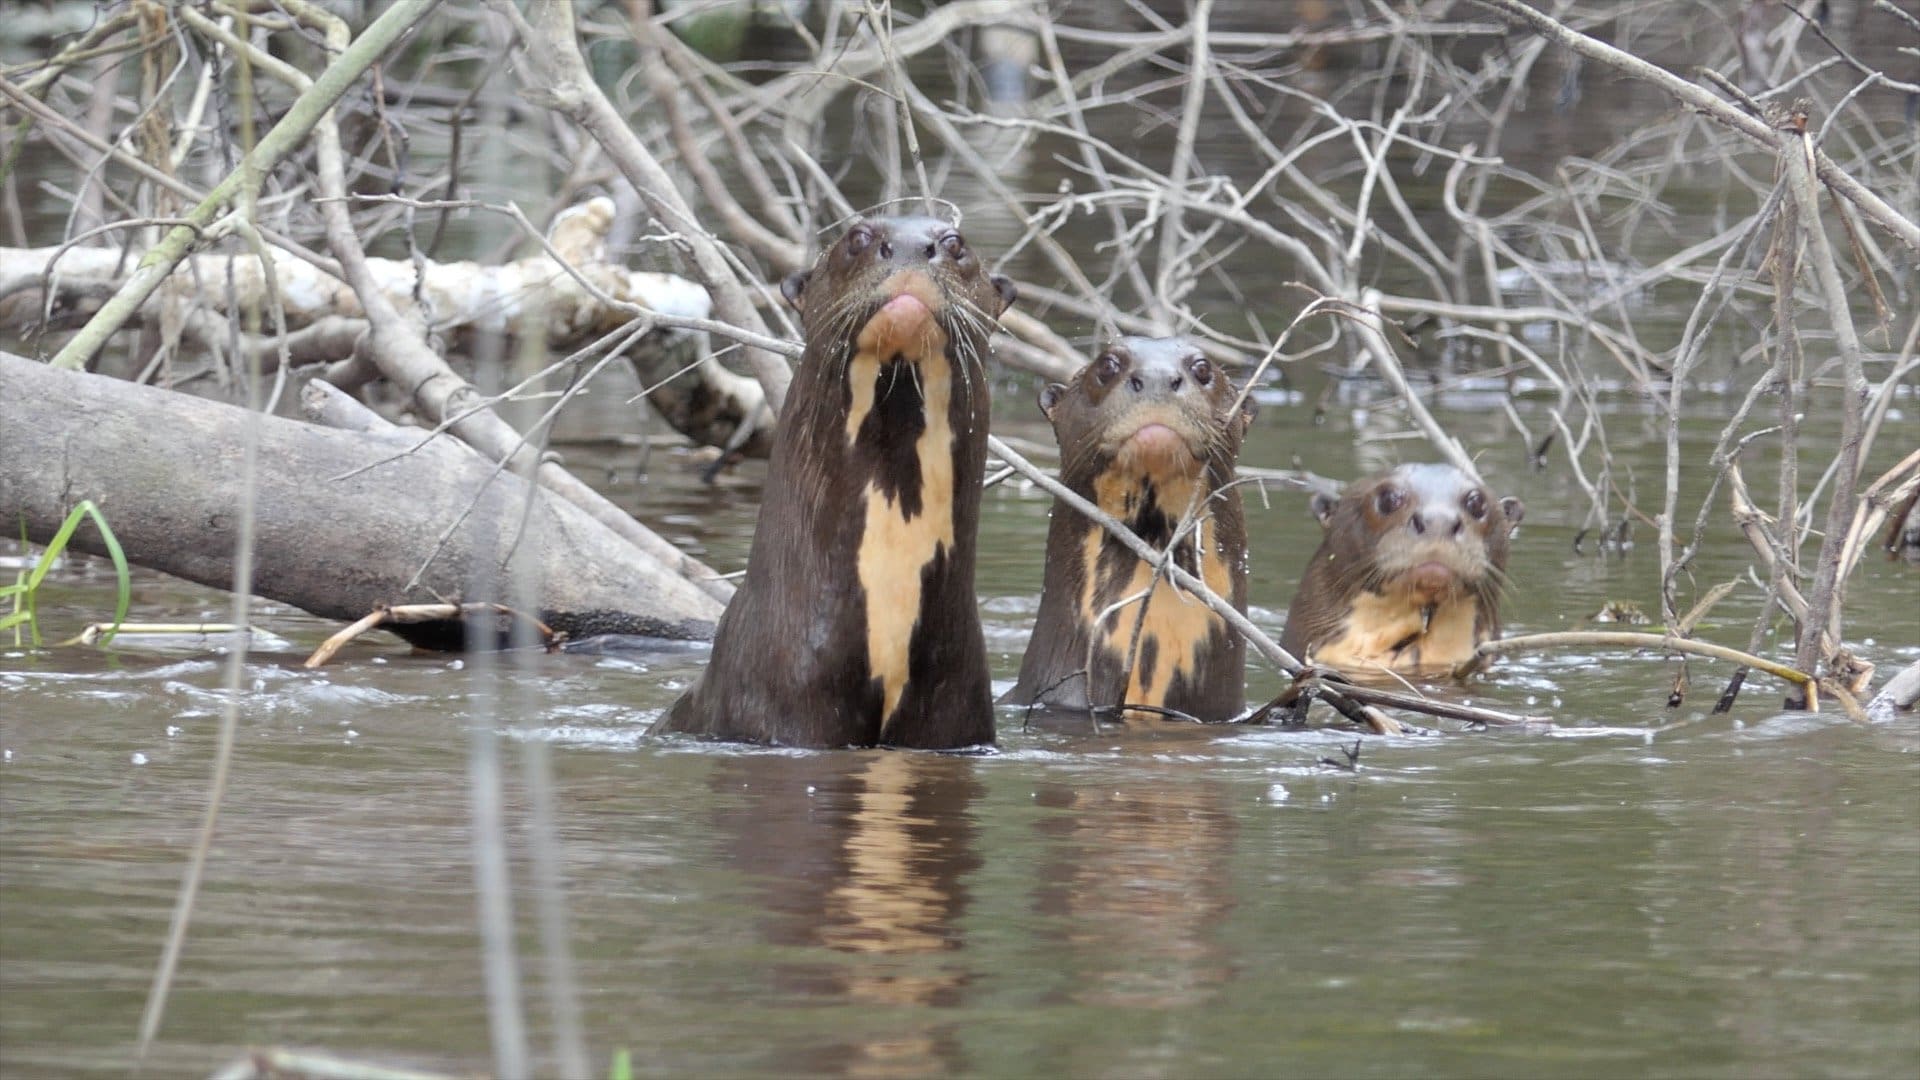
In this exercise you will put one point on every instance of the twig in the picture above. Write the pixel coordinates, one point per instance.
(404, 614)
(286, 136)
(1630, 640)
(279, 1064)
(1820, 634)
(1756, 130)
(1266, 646)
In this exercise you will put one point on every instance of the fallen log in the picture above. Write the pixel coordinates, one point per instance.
(345, 521)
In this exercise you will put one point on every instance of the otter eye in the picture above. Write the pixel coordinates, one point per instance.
(1107, 368)
(1388, 500)
(859, 239)
(1202, 371)
(955, 247)
(1476, 504)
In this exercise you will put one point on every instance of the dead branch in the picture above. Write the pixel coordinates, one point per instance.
(1666, 642)
(404, 614)
(1754, 129)
(1899, 695)
(561, 81)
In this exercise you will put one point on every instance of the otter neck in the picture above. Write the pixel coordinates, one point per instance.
(900, 384)
(1155, 644)
(1150, 504)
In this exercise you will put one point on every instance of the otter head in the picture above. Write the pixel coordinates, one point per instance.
(898, 286)
(1433, 532)
(1408, 577)
(1144, 423)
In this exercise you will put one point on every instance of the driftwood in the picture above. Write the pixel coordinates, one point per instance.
(569, 290)
(569, 294)
(345, 520)
(1900, 694)
(471, 616)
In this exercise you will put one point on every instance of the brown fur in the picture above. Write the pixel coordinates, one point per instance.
(1408, 575)
(857, 624)
(1185, 658)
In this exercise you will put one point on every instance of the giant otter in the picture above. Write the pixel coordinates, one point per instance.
(857, 623)
(1147, 431)
(1408, 575)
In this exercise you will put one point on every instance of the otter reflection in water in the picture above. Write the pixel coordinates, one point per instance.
(861, 859)
(1139, 882)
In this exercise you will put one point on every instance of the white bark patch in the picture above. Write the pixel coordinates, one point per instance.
(457, 295)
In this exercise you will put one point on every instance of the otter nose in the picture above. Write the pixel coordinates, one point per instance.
(1138, 382)
(1437, 522)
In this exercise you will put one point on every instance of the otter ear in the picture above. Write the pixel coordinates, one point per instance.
(1050, 397)
(793, 285)
(1247, 413)
(1514, 509)
(1008, 292)
(1323, 505)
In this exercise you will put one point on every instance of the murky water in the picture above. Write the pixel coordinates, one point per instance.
(1642, 891)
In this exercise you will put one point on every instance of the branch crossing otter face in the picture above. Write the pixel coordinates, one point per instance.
(1147, 432)
(1408, 576)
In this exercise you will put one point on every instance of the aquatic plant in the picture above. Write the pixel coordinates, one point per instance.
(25, 591)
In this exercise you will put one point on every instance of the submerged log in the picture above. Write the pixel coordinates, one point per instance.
(344, 520)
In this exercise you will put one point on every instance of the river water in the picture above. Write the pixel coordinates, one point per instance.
(1641, 890)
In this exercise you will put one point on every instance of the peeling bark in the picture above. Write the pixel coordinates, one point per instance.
(693, 392)
(456, 295)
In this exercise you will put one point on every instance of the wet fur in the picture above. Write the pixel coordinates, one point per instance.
(857, 623)
(1186, 658)
(1362, 608)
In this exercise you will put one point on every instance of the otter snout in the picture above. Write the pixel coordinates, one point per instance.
(1150, 384)
(1431, 581)
(1435, 523)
